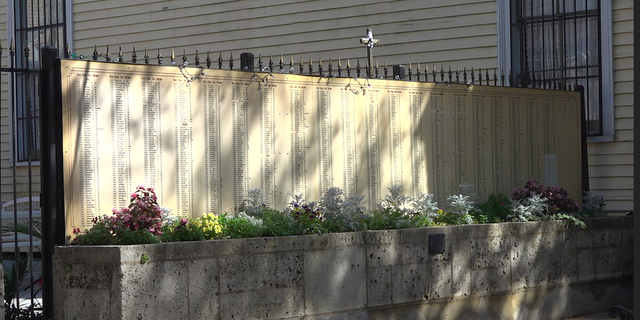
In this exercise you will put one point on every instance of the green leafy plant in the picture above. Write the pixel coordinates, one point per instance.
(241, 225)
(182, 230)
(495, 209)
(307, 216)
(593, 205)
(278, 223)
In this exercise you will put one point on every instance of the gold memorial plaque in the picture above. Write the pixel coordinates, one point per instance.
(204, 140)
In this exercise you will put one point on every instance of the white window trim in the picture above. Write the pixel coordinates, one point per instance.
(504, 61)
(10, 34)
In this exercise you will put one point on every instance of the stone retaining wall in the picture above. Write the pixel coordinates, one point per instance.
(529, 270)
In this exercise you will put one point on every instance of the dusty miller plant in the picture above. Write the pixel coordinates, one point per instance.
(461, 205)
(298, 201)
(254, 202)
(396, 200)
(167, 217)
(526, 209)
(331, 202)
(424, 204)
(354, 205)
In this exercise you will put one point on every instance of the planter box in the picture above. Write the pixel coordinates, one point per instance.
(528, 270)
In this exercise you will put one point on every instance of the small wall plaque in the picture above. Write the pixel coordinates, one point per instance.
(436, 243)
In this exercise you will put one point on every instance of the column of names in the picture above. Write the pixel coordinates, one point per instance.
(183, 141)
(212, 148)
(532, 138)
(516, 148)
(324, 126)
(120, 139)
(395, 136)
(497, 142)
(239, 105)
(373, 147)
(88, 153)
(152, 128)
(436, 106)
(417, 153)
(349, 166)
(298, 143)
(479, 144)
(268, 143)
(460, 126)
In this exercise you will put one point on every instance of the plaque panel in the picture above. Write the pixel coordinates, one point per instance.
(204, 142)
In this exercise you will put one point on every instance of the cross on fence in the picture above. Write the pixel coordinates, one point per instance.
(369, 41)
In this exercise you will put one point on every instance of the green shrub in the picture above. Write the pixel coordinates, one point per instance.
(182, 230)
(278, 223)
(241, 225)
(495, 209)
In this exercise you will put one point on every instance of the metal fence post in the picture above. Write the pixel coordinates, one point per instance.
(52, 197)
(583, 145)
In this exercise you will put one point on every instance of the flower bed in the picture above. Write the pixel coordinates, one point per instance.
(407, 259)
(144, 221)
(519, 270)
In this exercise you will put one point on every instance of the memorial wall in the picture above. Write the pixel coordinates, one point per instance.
(204, 137)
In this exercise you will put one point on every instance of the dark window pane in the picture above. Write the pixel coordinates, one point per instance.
(38, 23)
(559, 41)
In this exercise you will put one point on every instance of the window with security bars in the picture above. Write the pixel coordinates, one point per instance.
(37, 23)
(556, 44)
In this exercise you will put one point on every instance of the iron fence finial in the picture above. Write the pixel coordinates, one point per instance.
(271, 63)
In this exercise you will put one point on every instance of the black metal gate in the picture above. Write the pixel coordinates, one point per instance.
(31, 142)
(31, 185)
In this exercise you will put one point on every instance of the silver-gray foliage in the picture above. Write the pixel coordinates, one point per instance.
(395, 199)
(527, 209)
(461, 205)
(331, 202)
(254, 202)
(424, 204)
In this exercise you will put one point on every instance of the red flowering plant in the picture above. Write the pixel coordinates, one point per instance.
(556, 198)
(140, 222)
(143, 212)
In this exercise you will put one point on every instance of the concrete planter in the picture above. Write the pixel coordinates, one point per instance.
(529, 270)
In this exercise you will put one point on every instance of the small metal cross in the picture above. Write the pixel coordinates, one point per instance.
(369, 41)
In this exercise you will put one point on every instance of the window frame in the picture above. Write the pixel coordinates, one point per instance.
(606, 63)
(20, 85)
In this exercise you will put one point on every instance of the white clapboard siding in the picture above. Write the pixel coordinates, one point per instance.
(408, 31)
(611, 163)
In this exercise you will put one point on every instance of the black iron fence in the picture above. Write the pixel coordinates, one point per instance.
(21, 221)
(421, 72)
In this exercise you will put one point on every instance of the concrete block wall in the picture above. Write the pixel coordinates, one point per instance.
(530, 270)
